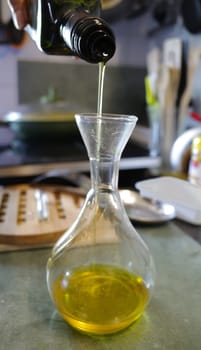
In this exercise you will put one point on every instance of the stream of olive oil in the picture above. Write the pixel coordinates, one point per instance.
(100, 105)
(100, 299)
(100, 88)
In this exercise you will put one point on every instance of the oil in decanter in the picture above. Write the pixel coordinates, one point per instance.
(96, 295)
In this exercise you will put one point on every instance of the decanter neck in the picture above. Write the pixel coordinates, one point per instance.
(105, 137)
(104, 174)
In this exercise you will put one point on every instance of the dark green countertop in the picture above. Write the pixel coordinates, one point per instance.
(28, 320)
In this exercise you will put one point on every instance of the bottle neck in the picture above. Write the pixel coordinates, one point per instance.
(87, 36)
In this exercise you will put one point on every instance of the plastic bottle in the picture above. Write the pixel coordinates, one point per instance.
(194, 171)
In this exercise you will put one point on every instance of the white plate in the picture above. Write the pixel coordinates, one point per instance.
(146, 211)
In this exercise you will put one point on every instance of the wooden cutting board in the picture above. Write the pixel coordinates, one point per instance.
(20, 217)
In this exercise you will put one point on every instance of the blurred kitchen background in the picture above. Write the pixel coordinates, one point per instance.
(155, 74)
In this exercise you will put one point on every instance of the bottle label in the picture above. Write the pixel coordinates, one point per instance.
(195, 171)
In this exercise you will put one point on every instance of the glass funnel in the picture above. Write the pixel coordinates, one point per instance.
(100, 274)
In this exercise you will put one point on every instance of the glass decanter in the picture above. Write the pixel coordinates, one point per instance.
(100, 273)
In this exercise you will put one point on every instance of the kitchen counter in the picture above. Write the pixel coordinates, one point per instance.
(28, 320)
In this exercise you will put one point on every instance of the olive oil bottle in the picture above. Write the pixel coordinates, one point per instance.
(71, 27)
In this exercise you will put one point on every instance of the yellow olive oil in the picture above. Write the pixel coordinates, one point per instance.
(100, 299)
(101, 78)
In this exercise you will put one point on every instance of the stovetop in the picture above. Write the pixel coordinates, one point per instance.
(25, 159)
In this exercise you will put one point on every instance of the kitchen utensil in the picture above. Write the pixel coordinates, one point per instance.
(194, 54)
(167, 92)
(153, 61)
(182, 81)
(20, 222)
(41, 204)
(153, 106)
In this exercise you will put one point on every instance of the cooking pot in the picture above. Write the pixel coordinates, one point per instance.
(41, 122)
